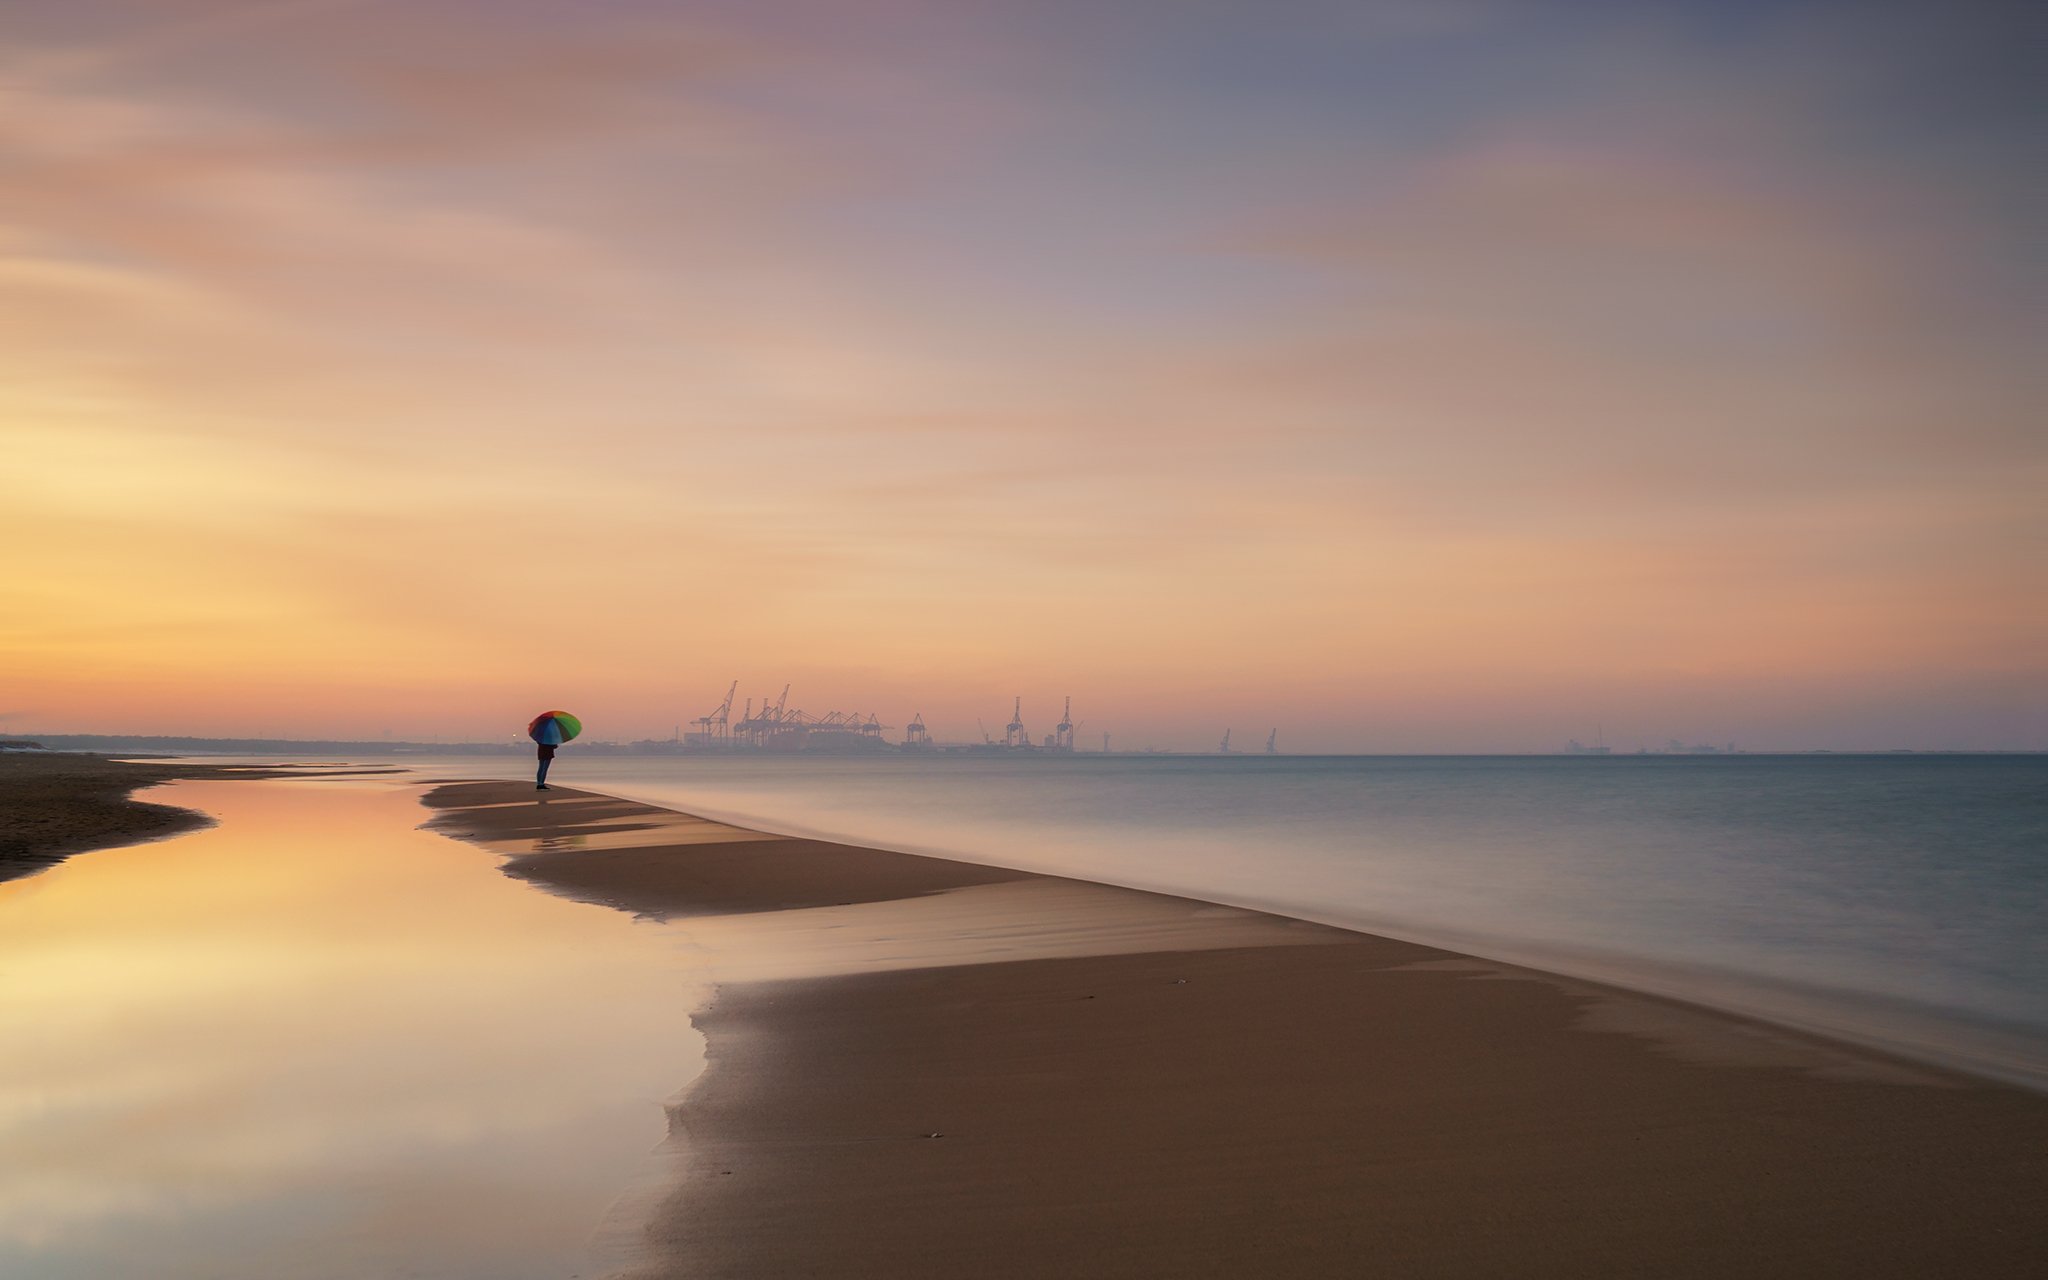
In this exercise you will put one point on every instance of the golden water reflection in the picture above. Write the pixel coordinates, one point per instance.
(315, 1041)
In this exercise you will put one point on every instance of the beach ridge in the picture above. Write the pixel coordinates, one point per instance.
(1125, 1086)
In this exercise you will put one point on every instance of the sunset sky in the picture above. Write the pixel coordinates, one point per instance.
(1420, 375)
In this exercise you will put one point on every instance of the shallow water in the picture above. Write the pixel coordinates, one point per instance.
(1894, 900)
(315, 1041)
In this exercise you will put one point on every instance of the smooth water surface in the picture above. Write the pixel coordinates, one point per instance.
(314, 1041)
(1896, 900)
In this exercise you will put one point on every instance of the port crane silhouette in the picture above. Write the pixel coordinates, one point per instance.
(713, 726)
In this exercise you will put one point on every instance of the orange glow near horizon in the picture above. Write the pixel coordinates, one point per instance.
(600, 363)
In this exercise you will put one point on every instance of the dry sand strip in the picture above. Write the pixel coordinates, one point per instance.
(1363, 1107)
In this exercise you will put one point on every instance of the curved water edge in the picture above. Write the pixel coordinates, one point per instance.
(1887, 900)
(451, 1026)
(312, 1039)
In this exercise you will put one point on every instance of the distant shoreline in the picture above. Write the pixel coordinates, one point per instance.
(181, 745)
(57, 804)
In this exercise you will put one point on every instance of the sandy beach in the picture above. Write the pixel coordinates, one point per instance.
(929, 1068)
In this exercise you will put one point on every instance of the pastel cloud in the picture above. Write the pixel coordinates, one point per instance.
(1613, 372)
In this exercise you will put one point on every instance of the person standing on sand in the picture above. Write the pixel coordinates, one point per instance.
(550, 729)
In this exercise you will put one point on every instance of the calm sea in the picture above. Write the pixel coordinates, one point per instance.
(1895, 900)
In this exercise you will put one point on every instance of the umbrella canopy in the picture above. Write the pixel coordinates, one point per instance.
(553, 728)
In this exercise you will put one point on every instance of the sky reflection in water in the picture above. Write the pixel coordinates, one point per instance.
(317, 1041)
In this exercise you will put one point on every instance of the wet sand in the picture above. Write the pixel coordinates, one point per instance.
(927, 1068)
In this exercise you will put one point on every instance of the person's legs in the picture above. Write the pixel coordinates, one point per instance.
(540, 778)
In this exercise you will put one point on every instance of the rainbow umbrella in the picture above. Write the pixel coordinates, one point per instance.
(553, 728)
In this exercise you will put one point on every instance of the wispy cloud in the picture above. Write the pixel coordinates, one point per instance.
(1412, 349)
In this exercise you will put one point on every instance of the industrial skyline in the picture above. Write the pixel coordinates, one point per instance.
(779, 726)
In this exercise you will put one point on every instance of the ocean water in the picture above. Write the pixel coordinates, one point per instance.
(1895, 900)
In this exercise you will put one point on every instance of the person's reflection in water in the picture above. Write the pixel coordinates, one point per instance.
(547, 757)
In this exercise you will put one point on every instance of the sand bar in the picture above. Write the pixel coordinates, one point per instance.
(928, 1068)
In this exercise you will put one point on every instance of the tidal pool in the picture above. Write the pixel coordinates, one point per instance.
(317, 1041)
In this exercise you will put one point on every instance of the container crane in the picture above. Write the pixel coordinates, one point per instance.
(713, 727)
